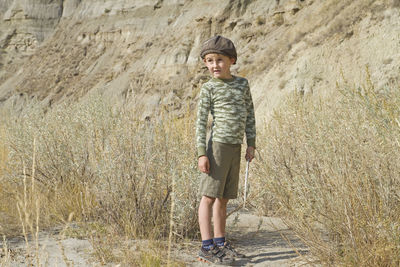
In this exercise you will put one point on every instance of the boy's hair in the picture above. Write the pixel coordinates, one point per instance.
(219, 45)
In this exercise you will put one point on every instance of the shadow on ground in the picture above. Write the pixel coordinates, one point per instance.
(265, 241)
(269, 257)
(265, 246)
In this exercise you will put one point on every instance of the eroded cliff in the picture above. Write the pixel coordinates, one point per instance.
(145, 53)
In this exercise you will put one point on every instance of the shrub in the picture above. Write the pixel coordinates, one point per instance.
(332, 165)
(97, 161)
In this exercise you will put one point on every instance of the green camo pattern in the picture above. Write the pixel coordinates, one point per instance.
(232, 110)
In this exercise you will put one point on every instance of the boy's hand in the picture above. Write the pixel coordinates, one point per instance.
(250, 153)
(204, 164)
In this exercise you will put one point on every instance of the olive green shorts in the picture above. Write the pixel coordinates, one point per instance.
(223, 179)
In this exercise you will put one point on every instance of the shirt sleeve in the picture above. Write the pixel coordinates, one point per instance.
(250, 120)
(203, 109)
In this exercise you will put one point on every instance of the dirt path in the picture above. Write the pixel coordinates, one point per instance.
(53, 251)
(260, 238)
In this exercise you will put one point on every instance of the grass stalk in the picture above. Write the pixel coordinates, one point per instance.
(171, 221)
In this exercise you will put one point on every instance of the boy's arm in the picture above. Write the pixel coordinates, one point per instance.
(249, 153)
(204, 164)
(250, 122)
(202, 117)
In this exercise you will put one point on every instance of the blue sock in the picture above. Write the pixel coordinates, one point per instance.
(207, 244)
(219, 241)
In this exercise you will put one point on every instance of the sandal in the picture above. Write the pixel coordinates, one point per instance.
(214, 255)
(228, 250)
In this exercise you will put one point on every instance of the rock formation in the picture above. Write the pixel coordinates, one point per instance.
(145, 53)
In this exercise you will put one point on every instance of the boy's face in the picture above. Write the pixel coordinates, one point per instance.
(219, 65)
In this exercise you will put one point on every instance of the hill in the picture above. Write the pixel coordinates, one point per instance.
(145, 53)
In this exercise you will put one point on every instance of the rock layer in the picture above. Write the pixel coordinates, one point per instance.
(145, 53)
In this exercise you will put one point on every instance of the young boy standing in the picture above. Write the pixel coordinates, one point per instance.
(228, 98)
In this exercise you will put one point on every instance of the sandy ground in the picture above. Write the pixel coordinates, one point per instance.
(262, 239)
(53, 251)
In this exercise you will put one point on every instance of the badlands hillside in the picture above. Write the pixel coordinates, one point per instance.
(106, 177)
(144, 53)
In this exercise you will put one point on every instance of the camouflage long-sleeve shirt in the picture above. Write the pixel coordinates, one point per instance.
(231, 107)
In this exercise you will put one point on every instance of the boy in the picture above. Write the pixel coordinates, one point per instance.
(228, 99)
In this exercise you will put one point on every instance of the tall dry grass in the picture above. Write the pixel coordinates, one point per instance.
(113, 172)
(331, 166)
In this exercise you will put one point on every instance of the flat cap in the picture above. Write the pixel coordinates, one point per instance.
(219, 45)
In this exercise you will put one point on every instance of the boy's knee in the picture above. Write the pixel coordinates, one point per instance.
(208, 200)
(222, 201)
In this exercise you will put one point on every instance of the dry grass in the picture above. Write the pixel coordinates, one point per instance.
(100, 163)
(331, 166)
(5, 254)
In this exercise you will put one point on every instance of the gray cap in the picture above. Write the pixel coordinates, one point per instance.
(219, 45)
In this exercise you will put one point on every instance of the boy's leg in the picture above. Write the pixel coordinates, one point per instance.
(219, 209)
(219, 214)
(205, 212)
(208, 251)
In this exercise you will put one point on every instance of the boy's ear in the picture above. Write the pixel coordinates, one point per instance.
(233, 61)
